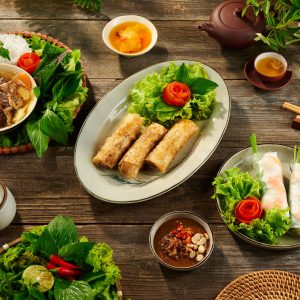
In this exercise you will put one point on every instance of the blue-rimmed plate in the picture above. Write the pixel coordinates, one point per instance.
(108, 185)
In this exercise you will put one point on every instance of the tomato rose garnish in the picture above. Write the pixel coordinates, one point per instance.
(29, 62)
(176, 94)
(248, 210)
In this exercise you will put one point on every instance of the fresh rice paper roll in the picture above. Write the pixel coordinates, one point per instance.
(270, 169)
(134, 159)
(117, 144)
(162, 155)
(294, 192)
(294, 196)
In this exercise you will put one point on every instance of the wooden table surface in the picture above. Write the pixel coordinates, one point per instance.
(46, 187)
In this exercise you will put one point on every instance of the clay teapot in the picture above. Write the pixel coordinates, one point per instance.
(230, 29)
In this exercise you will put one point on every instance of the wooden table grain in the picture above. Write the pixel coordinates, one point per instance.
(46, 187)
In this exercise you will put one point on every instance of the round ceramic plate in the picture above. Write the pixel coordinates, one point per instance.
(108, 185)
(243, 160)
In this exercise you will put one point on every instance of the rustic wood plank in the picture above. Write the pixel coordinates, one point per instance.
(101, 62)
(144, 278)
(49, 186)
(152, 9)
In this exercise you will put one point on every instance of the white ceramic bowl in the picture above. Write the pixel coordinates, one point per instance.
(16, 70)
(178, 215)
(129, 18)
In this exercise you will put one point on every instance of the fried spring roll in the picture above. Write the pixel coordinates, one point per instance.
(114, 147)
(162, 155)
(133, 160)
(275, 196)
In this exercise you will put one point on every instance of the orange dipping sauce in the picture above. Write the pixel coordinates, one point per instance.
(270, 67)
(130, 37)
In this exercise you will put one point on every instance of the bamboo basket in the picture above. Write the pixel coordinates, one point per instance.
(5, 247)
(263, 285)
(26, 34)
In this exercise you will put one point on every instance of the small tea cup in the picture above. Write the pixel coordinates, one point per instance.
(274, 55)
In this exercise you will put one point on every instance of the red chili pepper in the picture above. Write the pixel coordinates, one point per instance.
(65, 272)
(56, 260)
(51, 266)
(29, 62)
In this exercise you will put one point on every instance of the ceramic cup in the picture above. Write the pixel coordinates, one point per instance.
(273, 55)
(7, 206)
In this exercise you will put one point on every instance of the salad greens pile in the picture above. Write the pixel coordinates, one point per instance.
(234, 186)
(59, 237)
(60, 93)
(146, 99)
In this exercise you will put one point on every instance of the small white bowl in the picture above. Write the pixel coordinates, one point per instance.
(130, 18)
(16, 70)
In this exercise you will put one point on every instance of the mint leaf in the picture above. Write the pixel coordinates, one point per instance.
(202, 86)
(4, 52)
(182, 74)
(36, 294)
(46, 245)
(52, 125)
(63, 231)
(72, 290)
(75, 252)
(37, 137)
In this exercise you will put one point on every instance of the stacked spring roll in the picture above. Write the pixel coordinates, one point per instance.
(294, 192)
(268, 166)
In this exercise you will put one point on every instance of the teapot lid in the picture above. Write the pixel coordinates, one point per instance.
(229, 13)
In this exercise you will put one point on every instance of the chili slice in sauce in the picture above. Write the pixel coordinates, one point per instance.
(248, 210)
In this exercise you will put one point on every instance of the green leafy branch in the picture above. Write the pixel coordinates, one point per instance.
(282, 21)
(92, 4)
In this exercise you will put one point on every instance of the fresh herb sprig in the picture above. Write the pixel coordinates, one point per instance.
(4, 52)
(282, 19)
(297, 154)
(92, 4)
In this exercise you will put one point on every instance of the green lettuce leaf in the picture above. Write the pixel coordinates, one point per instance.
(146, 96)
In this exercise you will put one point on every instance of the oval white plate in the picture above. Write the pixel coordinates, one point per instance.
(108, 185)
(243, 160)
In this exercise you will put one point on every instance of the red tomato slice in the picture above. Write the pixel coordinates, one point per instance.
(29, 62)
(176, 94)
(248, 210)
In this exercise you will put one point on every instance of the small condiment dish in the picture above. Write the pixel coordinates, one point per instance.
(157, 228)
(277, 58)
(129, 18)
(14, 70)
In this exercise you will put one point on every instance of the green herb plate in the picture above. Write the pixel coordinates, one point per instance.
(243, 160)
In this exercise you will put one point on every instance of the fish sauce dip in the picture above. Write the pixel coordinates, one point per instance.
(130, 37)
(15, 96)
(181, 242)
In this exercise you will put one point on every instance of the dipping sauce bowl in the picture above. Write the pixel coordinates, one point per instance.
(190, 232)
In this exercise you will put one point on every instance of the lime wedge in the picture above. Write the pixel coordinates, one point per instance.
(38, 274)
